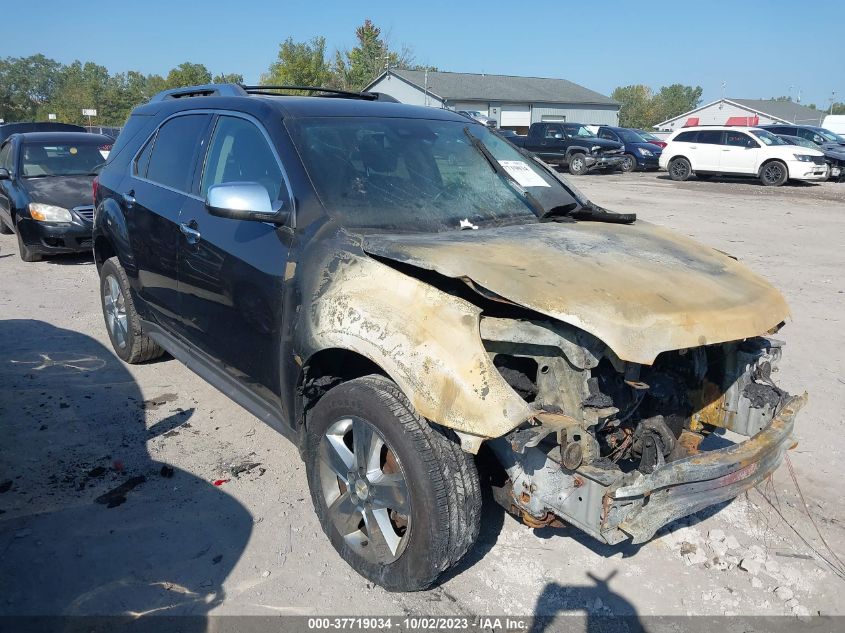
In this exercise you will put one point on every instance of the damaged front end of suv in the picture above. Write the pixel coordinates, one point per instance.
(617, 448)
(634, 351)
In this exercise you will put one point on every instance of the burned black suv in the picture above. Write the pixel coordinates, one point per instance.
(405, 295)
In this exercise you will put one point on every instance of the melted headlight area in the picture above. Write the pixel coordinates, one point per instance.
(602, 423)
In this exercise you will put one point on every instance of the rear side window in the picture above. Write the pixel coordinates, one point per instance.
(686, 137)
(607, 134)
(134, 125)
(554, 131)
(143, 160)
(239, 152)
(172, 159)
(710, 137)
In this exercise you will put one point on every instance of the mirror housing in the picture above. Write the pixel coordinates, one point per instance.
(4, 174)
(245, 201)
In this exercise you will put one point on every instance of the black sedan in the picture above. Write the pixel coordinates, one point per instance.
(46, 190)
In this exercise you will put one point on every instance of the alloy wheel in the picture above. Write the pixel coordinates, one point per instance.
(679, 169)
(773, 172)
(115, 308)
(365, 490)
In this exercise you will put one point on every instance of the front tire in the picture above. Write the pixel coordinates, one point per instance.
(122, 321)
(5, 230)
(26, 253)
(577, 164)
(679, 169)
(774, 174)
(629, 164)
(398, 499)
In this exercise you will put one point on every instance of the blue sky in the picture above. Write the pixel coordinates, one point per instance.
(758, 48)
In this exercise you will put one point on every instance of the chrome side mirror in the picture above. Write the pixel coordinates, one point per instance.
(245, 201)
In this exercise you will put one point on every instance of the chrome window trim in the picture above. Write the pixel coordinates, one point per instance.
(213, 112)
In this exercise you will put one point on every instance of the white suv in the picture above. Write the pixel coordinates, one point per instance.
(739, 151)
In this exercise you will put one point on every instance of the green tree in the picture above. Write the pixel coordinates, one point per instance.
(676, 99)
(300, 64)
(355, 68)
(81, 86)
(636, 106)
(228, 78)
(26, 84)
(187, 74)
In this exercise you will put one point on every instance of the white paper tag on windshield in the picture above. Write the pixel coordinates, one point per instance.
(523, 174)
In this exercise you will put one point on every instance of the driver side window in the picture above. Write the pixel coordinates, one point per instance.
(239, 152)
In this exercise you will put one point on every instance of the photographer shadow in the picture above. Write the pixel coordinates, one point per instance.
(90, 524)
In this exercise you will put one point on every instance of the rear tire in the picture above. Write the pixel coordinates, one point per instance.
(577, 164)
(629, 164)
(122, 321)
(679, 169)
(438, 503)
(773, 174)
(26, 253)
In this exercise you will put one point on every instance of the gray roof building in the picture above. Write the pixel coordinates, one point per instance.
(512, 101)
(763, 111)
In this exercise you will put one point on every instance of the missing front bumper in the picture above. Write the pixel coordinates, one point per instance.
(688, 485)
(612, 507)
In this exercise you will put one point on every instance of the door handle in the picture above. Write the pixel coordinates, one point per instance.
(192, 236)
(693, 146)
(129, 198)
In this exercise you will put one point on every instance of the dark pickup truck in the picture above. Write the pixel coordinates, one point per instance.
(571, 145)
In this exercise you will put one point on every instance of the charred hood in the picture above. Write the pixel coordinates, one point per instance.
(639, 288)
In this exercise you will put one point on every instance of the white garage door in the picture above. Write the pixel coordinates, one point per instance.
(515, 116)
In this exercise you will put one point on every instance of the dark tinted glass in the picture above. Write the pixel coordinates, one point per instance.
(143, 160)
(172, 160)
(686, 137)
(239, 152)
(710, 137)
(133, 126)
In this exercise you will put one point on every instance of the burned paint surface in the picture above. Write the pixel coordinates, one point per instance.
(639, 288)
(427, 341)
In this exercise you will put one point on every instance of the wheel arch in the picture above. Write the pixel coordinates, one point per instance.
(111, 236)
(774, 160)
(685, 157)
(328, 368)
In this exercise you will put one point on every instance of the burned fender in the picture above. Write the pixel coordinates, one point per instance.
(426, 340)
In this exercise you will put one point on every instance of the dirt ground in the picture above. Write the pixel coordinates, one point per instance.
(77, 424)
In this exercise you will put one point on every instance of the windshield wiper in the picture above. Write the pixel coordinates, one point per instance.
(503, 173)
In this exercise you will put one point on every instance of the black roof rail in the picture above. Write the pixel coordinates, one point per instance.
(205, 90)
(329, 92)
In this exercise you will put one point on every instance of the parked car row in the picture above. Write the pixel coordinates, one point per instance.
(773, 154)
(582, 148)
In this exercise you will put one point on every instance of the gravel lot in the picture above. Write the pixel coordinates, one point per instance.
(78, 423)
